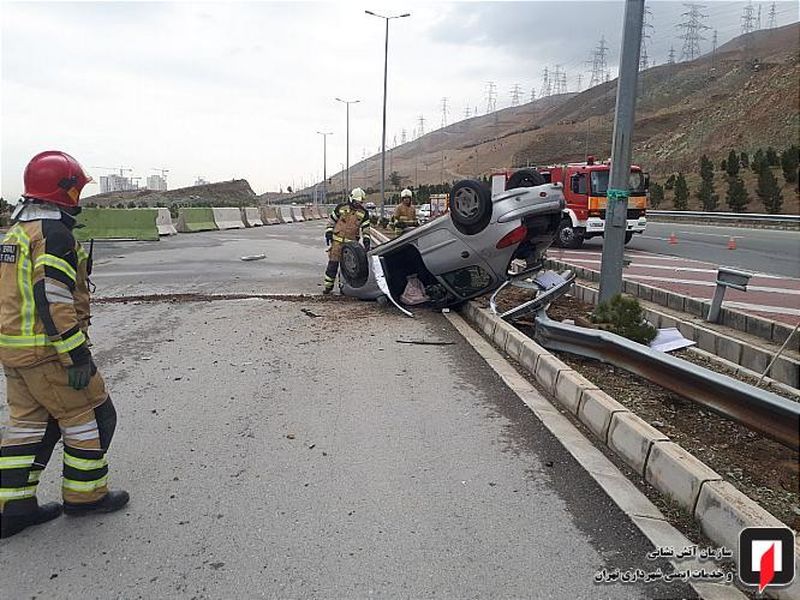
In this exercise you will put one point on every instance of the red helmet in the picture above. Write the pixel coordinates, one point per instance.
(55, 177)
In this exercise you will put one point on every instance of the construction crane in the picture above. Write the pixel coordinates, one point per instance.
(163, 171)
(120, 169)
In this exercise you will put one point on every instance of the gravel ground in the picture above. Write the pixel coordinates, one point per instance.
(761, 468)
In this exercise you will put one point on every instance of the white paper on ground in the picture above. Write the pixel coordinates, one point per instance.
(670, 339)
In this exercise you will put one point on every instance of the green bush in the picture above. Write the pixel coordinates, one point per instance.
(624, 316)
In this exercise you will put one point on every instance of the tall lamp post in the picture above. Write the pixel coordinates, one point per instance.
(347, 152)
(324, 135)
(385, 72)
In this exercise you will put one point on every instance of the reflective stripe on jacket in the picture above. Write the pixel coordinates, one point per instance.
(349, 221)
(38, 276)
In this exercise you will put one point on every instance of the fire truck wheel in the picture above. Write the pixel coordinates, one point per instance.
(628, 236)
(525, 178)
(354, 264)
(470, 206)
(568, 236)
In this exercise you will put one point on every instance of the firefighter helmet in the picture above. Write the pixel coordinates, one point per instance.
(358, 195)
(55, 177)
(406, 193)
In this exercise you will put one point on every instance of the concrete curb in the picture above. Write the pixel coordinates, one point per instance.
(721, 510)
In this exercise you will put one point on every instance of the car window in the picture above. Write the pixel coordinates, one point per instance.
(636, 182)
(468, 281)
(579, 183)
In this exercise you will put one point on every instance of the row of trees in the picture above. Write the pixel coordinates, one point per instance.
(767, 190)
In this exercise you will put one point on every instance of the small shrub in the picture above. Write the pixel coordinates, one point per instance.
(624, 316)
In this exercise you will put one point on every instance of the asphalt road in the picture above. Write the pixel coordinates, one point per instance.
(265, 461)
(762, 250)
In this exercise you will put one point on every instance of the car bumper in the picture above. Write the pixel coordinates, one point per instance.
(597, 225)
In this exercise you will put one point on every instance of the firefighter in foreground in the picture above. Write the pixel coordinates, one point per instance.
(53, 387)
(405, 215)
(349, 222)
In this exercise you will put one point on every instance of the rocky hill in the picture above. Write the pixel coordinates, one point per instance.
(225, 193)
(742, 98)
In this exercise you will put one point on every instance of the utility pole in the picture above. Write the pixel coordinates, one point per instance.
(324, 135)
(347, 103)
(618, 186)
(692, 31)
(385, 77)
(714, 51)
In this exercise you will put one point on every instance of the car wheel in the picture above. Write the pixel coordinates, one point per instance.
(354, 264)
(569, 236)
(525, 178)
(470, 206)
(628, 236)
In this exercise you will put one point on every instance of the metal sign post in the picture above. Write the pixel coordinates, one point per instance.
(618, 185)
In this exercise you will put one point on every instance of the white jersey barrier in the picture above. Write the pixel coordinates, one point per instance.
(269, 215)
(285, 214)
(228, 218)
(297, 213)
(164, 222)
(252, 217)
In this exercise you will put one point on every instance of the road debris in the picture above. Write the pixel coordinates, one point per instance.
(310, 313)
(290, 436)
(426, 342)
(254, 257)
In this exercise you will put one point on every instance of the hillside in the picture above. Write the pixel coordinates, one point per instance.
(684, 110)
(237, 192)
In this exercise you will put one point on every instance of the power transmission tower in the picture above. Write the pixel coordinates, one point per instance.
(562, 84)
(758, 21)
(714, 51)
(533, 94)
(491, 97)
(403, 136)
(599, 61)
(580, 81)
(693, 28)
(421, 126)
(444, 112)
(546, 88)
(516, 93)
(467, 112)
(772, 20)
(647, 27)
(671, 58)
(748, 19)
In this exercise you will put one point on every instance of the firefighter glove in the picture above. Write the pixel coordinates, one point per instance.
(328, 237)
(79, 375)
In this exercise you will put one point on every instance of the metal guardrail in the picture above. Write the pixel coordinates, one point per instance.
(721, 216)
(772, 415)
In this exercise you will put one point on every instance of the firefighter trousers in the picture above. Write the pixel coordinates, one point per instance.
(42, 409)
(332, 269)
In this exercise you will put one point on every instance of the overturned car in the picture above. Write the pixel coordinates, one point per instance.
(463, 254)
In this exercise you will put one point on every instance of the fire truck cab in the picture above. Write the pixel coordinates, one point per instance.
(585, 185)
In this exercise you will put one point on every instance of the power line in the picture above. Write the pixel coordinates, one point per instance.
(692, 28)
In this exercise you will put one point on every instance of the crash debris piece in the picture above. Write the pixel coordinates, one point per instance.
(254, 257)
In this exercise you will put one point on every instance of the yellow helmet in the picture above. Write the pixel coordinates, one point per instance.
(406, 193)
(358, 195)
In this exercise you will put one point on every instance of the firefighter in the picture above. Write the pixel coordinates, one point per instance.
(349, 222)
(53, 388)
(405, 215)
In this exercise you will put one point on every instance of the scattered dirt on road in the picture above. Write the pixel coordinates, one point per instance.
(763, 469)
(181, 298)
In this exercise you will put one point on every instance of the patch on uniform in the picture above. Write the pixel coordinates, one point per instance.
(8, 253)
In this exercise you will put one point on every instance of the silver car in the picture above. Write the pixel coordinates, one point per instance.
(465, 253)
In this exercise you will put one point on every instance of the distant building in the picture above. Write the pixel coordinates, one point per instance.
(156, 183)
(116, 183)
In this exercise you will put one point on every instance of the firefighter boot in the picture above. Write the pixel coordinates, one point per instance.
(112, 501)
(13, 524)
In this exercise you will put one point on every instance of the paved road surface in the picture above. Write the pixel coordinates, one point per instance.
(679, 268)
(265, 461)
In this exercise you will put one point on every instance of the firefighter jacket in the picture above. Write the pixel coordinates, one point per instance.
(405, 216)
(349, 222)
(39, 274)
(81, 294)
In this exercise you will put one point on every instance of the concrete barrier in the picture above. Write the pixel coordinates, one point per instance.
(192, 220)
(316, 213)
(307, 214)
(117, 223)
(252, 216)
(285, 214)
(228, 218)
(269, 215)
(297, 213)
(164, 222)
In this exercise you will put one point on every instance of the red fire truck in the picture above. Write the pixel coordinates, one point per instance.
(585, 186)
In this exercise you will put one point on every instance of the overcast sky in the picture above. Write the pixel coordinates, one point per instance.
(237, 90)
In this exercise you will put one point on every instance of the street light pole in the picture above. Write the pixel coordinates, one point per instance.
(385, 79)
(347, 150)
(619, 184)
(325, 135)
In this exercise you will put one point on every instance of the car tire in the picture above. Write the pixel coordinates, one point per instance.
(470, 206)
(525, 178)
(568, 236)
(628, 237)
(354, 264)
